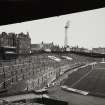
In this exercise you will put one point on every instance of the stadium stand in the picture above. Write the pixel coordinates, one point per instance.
(38, 67)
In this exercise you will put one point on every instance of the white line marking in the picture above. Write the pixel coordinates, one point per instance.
(81, 78)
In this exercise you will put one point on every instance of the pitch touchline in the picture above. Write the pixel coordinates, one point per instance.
(81, 78)
(99, 68)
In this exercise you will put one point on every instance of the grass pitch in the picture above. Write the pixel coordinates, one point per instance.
(88, 79)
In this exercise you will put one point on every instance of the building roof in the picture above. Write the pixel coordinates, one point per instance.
(35, 47)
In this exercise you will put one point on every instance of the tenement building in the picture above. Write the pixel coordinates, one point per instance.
(24, 43)
(21, 41)
(8, 39)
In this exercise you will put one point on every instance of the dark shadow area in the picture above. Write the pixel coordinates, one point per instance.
(14, 11)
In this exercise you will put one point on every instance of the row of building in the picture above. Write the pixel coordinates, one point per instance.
(100, 50)
(48, 47)
(21, 41)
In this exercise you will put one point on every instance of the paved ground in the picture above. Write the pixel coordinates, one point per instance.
(74, 99)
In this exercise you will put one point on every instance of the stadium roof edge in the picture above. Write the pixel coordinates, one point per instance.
(14, 11)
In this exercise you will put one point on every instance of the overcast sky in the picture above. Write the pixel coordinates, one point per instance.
(87, 29)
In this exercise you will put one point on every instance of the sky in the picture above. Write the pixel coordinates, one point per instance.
(86, 29)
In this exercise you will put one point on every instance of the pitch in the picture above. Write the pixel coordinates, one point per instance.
(90, 79)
